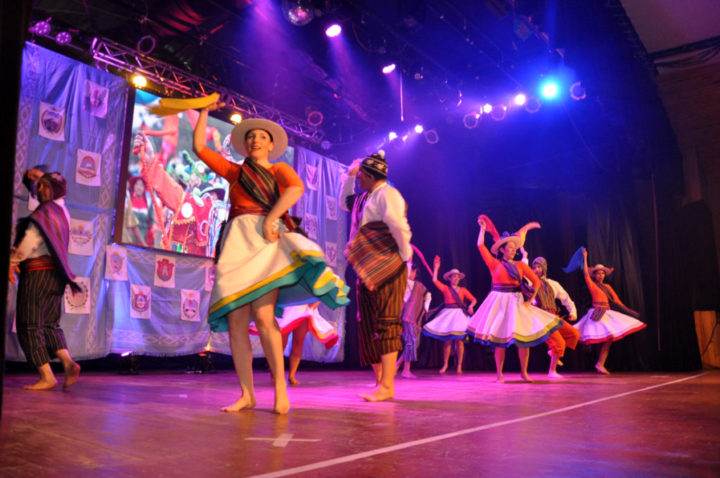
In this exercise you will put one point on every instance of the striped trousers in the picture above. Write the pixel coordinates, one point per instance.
(39, 301)
(380, 327)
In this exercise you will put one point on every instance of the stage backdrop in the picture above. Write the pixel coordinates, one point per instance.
(137, 300)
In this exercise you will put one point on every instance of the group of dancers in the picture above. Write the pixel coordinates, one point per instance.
(266, 267)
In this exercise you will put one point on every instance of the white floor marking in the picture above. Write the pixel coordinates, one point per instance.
(282, 440)
(445, 436)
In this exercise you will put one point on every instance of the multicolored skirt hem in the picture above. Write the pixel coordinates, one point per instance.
(449, 324)
(295, 315)
(612, 326)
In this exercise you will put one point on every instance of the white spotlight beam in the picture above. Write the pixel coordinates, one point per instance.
(175, 80)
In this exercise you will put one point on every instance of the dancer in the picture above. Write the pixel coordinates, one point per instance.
(505, 317)
(416, 303)
(262, 264)
(609, 319)
(298, 319)
(567, 335)
(378, 248)
(40, 255)
(451, 323)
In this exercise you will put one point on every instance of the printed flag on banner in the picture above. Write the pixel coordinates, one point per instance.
(140, 301)
(115, 263)
(331, 253)
(87, 168)
(78, 302)
(310, 224)
(52, 122)
(190, 305)
(331, 208)
(164, 271)
(209, 277)
(312, 177)
(96, 98)
(81, 237)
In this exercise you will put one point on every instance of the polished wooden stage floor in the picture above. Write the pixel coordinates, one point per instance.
(169, 425)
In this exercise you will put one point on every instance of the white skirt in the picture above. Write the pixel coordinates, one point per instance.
(250, 266)
(293, 316)
(503, 319)
(612, 326)
(448, 324)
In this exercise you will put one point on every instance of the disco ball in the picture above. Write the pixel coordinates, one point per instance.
(298, 12)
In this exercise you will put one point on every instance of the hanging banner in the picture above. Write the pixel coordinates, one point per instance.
(331, 253)
(190, 305)
(81, 237)
(52, 122)
(331, 208)
(115, 263)
(312, 177)
(96, 97)
(164, 271)
(310, 225)
(140, 301)
(87, 168)
(78, 302)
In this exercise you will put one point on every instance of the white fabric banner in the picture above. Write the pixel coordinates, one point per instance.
(140, 301)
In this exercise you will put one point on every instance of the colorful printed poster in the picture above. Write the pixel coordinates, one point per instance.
(140, 301)
(209, 277)
(96, 98)
(164, 271)
(115, 263)
(331, 208)
(78, 302)
(331, 253)
(52, 122)
(310, 224)
(190, 305)
(312, 177)
(81, 237)
(87, 168)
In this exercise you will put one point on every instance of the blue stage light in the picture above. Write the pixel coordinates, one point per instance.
(549, 90)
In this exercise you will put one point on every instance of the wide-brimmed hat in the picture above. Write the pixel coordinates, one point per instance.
(600, 267)
(517, 238)
(449, 274)
(279, 136)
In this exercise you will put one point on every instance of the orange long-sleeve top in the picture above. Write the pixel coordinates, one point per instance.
(500, 275)
(448, 298)
(282, 172)
(598, 295)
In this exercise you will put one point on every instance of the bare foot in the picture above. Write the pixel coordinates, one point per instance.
(41, 384)
(459, 371)
(554, 374)
(560, 363)
(526, 377)
(601, 369)
(293, 381)
(72, 373)
(242, 403)
(282, 402)
(444, 369)
(378, 395)
(500, 379)
(407, 374)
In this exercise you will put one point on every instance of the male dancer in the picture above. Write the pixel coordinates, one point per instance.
(416, 303)
(378, 247)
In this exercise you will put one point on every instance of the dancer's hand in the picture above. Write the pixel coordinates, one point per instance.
(270, 230)
(12, 274)
(215, 106)
(572, 318)
(355, 167)
(584, 253)
(481, 221)
(436, 261)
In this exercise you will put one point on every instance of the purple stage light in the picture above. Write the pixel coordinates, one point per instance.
(387, 69)
(333, 30)
(418, 128)
(41, 28)
(520, 99)
(392, 135)
(487, 108)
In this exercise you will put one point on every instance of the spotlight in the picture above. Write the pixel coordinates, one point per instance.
(520, 99)
(315, 118)
(41, 28)
(549, 90)
(392, 135)
(63, 38)
(532, 105)
(333, 30)
(387, 69)
(235, 118)
(470, 120)
(431, 136)
(499, 112)
(298, 12)
(577, 91)
(404, 138)
(487, 108)
(418, 128)
(139, 81)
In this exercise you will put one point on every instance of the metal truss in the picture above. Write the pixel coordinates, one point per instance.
(173, 79)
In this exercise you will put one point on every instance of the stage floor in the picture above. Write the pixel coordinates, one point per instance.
(169, 425)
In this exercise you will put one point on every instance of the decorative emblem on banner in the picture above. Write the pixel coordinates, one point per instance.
(96, 97)
(312, 177)
(310, 224)
(115, 263)
(331, 253)
(190, 304)
(79, 302)
(87, 168)
(165, 271)
(140, 301)
(209, 277)
(331, 208)
(81, 237)
(52, 122)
